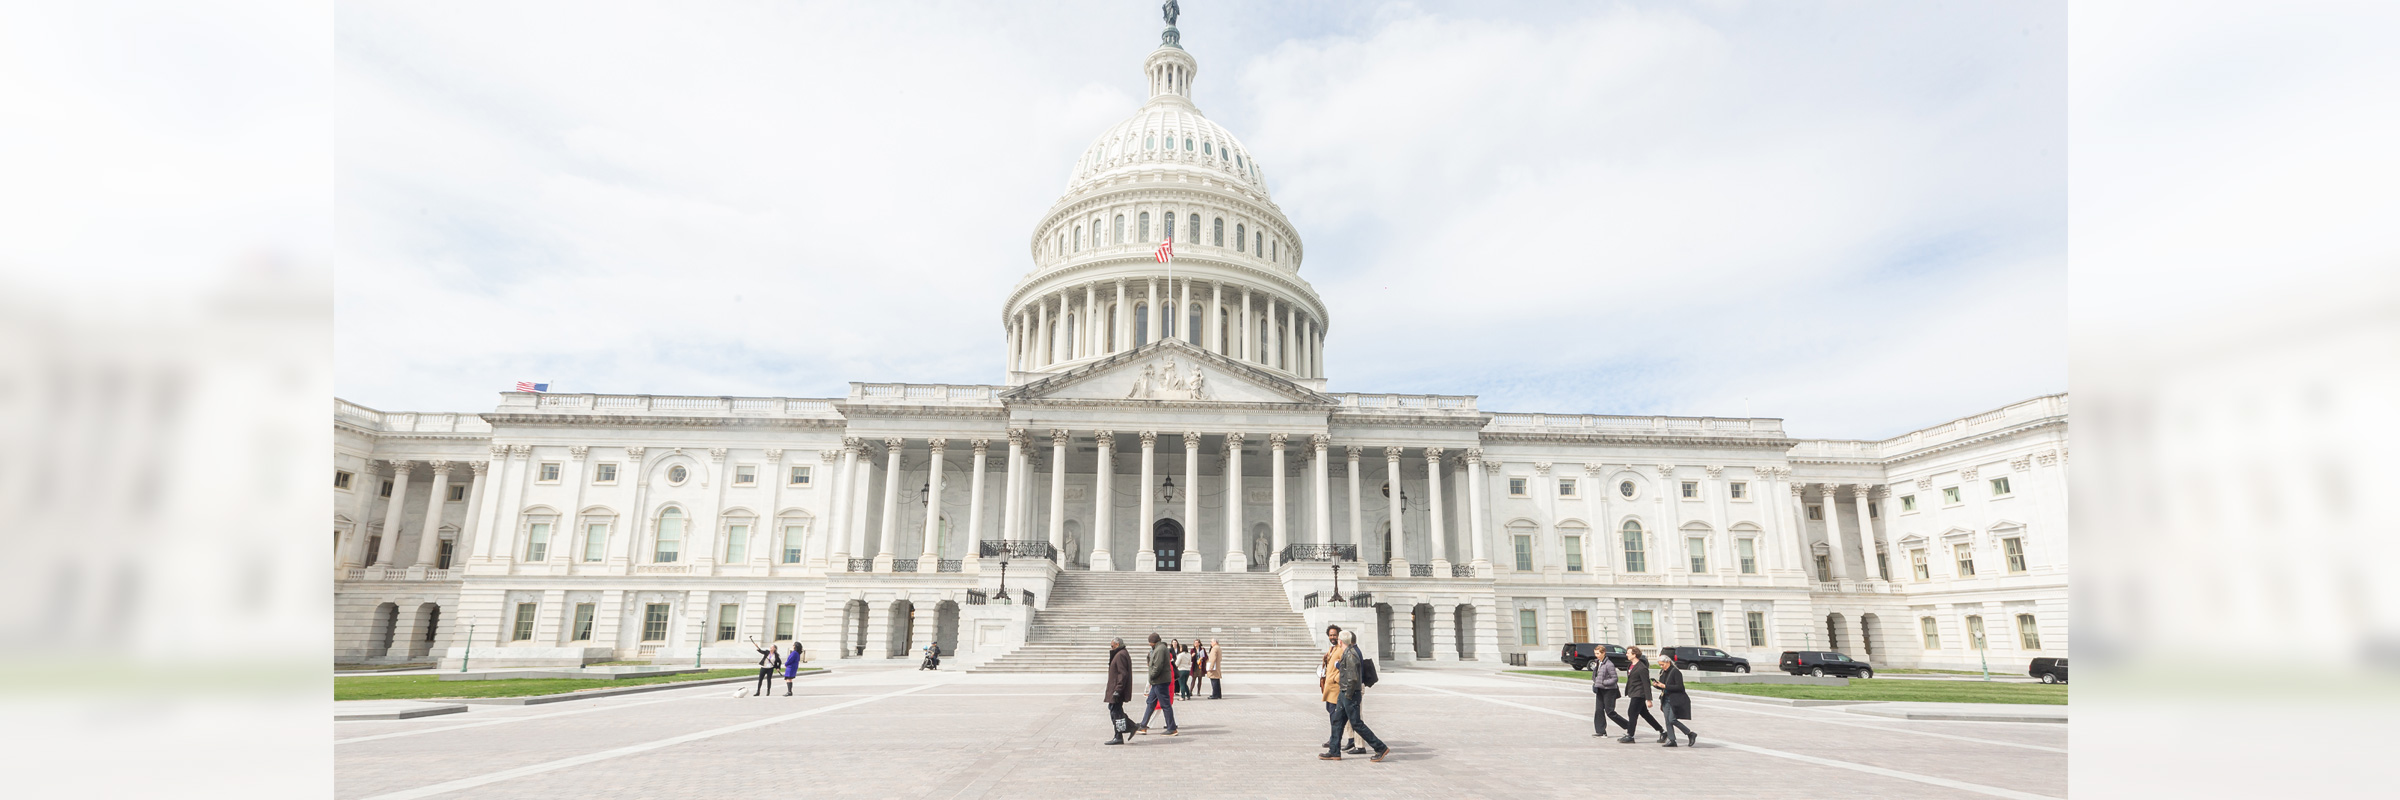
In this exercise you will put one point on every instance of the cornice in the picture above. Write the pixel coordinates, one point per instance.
(628, 421)
(1142, 266)
(1628, 439)
(1364, 419)
(1944, 447)
(342, 424)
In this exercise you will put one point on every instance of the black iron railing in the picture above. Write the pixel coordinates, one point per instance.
(1320, 552)
(862, 565)
(904, 565)
(1019, 548)
(1029, 598)
(1462, 570)
(976, 597)
(1379, 570)
(1420, 570)
(1363, 600)
(1308, 600)
(949, 565)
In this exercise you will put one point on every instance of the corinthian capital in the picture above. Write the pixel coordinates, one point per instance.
(401, 469)
(1391, 454)
(894, 446)
(983, 446)
(1191, 440)
(1234, 440)
(829, 456)
(1149, 439)
(1433, 454)
(634, 454)
(1472, 454)
(1106, 439)
(716, 454)
(1058, 437)
(1351, 451)
(1276, 440)
(577, 452)
(479, 467)
(937, 446)
(438, 467)
(774, 454)
(1541, 468)
(1319, 441)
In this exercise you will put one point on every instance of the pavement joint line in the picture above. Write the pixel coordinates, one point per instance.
(563, 763)
(1827, 716)
(507, 719)
(1977, 788)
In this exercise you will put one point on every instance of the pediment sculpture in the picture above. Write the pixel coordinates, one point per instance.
(1156, 383)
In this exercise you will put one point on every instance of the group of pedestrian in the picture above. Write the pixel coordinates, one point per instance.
(1636, 685)
(1192, 663)
(771, 657)
(1342, 681)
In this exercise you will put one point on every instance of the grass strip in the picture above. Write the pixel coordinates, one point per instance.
(431, 687)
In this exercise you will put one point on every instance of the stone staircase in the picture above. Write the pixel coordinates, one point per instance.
(1245, 612)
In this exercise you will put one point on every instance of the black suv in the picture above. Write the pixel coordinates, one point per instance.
(1707, 659)
(1824, 662)
(2050, 670)
(1580, 655)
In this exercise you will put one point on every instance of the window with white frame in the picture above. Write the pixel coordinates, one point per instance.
(745, 475)
(341, 479)
(795, 536)
(604, 472)
(729, 621)
(1965, 553)
(1747, 550)
(1691, 490)
(1874, 510)
(737, 543)
(1816, 512)
(1883, 564)
(2014, 548)
(549, 473)
(2029, 635)
(1975, 640)
(441, 558)
(1919, 566)
(677, 474)
(1645, 633)
(595, 542)
(1574, 546)
(1758, 628)
(1697, 548)
(1738, 490)
(654, 622)
(583, 621)
(1908, 503)
(1950, 495)
(537, 541)
(2000, 486)
(1566, 487)
(800, 477)
(1524, 543)
(785, 616)
(524, 628)
(1516, 487)
(458, 493)
(669, 546)
(1933, 632)
(1707, 625)
(1634, 557)
(1528, 627)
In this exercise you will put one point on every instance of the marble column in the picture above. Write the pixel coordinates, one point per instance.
(1475, 524)
(1273, 355)
(1317, 445)
(1117, 320)
(892, 451)
(822, 542)
(1216, 319)
(1087, 335)
(1291, 339)
(1276, 512)
(1183, 316)
(837, 525)
(1399, 554)
(1433, 489)
(1058, 492)
(1249, 337)
(1041, 332)
(1152, 317)
(1358, 535)
(1104, 499)
(429, 543)
(1012, 508)
(1837, 550)
(1805, 557)
(1236, 555)
(1866, 532)
(862, 472)
(1191, 503)
(930, 552)
(1146, 559)
(476, 471)
(393, 510)
(974, 543)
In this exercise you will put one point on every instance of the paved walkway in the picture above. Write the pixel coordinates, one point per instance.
(869, 732)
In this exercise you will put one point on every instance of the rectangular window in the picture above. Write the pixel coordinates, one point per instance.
(458, 492)
(524, 629)
(2014, 547)
(737, 544)
(1738, 490)
(1527, 631)
(387, 489)
(1708, 627)
(1874, 510)
(1634, 562)
(784, 616)
(1758, 628)
(799, 477)
(583, 621)
(1524, 553)
(1691, 490)
(341, 479)
(443, 560)
(670, 540)
(373, 543)
(604, 472)
(1966, 559)
(1642, 632)
(1581, 623)
(793, 536)
(1917, 564)
(595, 542)
(745, 475)
(1747, 549)
(654, 622)
(1908, 503)
(1516, 487)
(537, 542)
(1975, 639)
(1574, 554)
(2029, 635)
(1883, 564)
(549, 472)
(1950, 495)
(1824, 569)
(729, 621)
(1933, 633)
(1999, 486)
(1816, 512)
(1566, 487)
(1698, 548)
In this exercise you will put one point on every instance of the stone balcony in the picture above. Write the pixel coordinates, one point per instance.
(647, 405)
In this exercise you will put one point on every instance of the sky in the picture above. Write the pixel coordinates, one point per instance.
(1850, 216)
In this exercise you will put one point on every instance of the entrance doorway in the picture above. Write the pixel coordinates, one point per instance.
(1166, 540)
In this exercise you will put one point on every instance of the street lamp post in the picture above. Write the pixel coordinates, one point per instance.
(1003, 598)
(468, 651)
(1337, 600)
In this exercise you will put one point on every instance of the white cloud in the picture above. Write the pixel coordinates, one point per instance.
(1854, 222)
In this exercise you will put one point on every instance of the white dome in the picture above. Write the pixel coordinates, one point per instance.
(1167, 132)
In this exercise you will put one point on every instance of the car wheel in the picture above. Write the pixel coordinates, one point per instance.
(2049, 678)
(1867, 674)
(1816, 672)
(1743, 669)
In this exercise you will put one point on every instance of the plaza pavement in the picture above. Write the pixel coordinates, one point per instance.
(872, 731)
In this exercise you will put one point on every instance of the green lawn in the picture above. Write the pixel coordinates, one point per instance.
(1922, 691)
(1555, 673)
(413, 687)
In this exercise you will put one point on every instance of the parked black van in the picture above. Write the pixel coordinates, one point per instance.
(1821, 663)
(1580, 655)
(2050, 670)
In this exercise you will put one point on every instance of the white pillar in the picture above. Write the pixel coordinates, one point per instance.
(1152, 317)
(1399, 554)
(861, 473)
(1837, 550)
(838, 519)
(1866, 532)
(1117, 321)
(1249, 337)
(1216, 319)
(931, 552)
(1291, 338)
(1275, 442)
(386, 549)
(822, 526)
(1041, 333)
(474, 524)
(1236, 558)
(1273, 356)
(892, 449)
(429, 542)
(1103, 499)
(1146, 559)
(1475, 524)
(1058, 491)
(1012, 510)
(1191, 502)
(1358, 536)
(1805, 557)
(1433, 489)
(1317, 444)
(1087, 335)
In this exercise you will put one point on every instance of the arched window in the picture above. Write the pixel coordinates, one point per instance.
(1208, 148)
(1240, 237)
(1141, 324)
(1187, 144)
(1194, 334)
(1069, 334)
(1224, 325)
(1170, 226)
(1149, 142)
(1120, 237)
(1145, 228)
(670, 537)
(2029, 635)
(1274, 249)
(1260, 324)
(1166, 321)
(1219, 238)
(1079, 238)
(1062, 243)
(1195, 226)
(1258, 244)
(1109, 334)
(1635, 559)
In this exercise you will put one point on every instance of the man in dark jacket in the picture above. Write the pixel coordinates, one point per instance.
(1350, 689)
(1673, 704)
(1637, 697)
(1118, 691)
(1162, 686)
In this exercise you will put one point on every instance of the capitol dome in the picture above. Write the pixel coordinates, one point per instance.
(1099, 286)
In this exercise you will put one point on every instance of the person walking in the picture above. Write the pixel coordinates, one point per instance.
(1162, 681)
(1216, 669)
(1345, 689)
(769, 658)
(1604, 691)
(791, 668)
(1118, 691)
(1637, 696)
(1674, 704)
(1183, 674)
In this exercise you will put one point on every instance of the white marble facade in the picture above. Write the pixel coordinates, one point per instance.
(572, 528)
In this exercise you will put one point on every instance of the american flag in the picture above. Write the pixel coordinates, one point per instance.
(1166, 251)
(529, 386)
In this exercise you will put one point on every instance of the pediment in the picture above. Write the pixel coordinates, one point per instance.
(1169, 371)
(1912, 541)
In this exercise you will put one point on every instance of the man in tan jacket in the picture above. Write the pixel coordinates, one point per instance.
(1216, 670)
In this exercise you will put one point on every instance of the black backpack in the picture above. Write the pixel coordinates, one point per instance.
(1366, 672)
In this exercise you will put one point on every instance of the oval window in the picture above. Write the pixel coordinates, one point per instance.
(1187, 144)
(1206, 148)
(1149, 142)
(1625, 488)
(676, 474)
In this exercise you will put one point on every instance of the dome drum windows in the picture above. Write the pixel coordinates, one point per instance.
(1170, 226)
(1119, 238)
(1143, 230)
(1241, 237)
(1219, 238)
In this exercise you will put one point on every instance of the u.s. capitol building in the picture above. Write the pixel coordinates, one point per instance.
(1154, 422)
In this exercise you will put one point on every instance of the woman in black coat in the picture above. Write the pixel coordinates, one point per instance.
(1674, 703)
(1119, 690)
(1637, 696)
